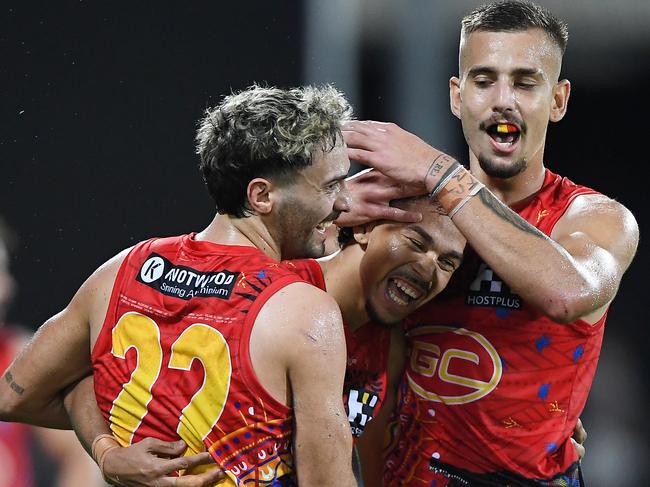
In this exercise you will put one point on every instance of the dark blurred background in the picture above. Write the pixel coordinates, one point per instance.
(100, 102)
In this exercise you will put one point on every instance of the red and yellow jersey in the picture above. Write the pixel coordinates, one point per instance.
(368, 348)
(16, 467)
(172, 358)
(492, 385)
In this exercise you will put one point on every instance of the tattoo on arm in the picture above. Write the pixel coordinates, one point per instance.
(15, 387)
(501, 210)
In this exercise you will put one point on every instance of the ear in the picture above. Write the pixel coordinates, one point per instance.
(259, 195)
(454, 96)
(561, 93)
(362, 233)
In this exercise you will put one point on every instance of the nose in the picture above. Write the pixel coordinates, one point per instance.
(426, 267)
(343, 199)
(505, 99)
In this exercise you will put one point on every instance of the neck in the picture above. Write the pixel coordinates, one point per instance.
(343, 283)
(515, 188)
(249, 232)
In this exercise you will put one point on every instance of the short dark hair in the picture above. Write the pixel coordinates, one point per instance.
(516, 15)
(265, 132)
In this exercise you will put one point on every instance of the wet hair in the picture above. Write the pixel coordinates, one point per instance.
(514, 16)
(265, 132)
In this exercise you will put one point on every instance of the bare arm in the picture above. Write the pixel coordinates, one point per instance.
(57, 356)
(310, 343)
(572, 274)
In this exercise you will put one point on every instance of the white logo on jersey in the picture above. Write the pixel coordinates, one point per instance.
(152, 269)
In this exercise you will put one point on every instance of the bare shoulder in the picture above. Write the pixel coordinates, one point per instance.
(599, 206)
(103, 277)
(608, 222)
(301, 310)
(93, 296)
(305, 301)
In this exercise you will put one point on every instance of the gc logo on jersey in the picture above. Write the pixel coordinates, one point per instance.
(467, 370)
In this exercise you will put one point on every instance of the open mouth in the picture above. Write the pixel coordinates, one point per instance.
(504, 136)
(323, 226)
(402, 292)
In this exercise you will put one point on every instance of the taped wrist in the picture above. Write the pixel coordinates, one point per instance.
(100, 447)
(457, 190)
(441, 170)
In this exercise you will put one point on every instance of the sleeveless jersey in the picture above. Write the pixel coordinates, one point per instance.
(172, 358)
(368, 348)
(16, 467)
(492, 385)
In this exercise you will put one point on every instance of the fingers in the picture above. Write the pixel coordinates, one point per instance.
(398, 215)
(400, 191)
(205, 479)
(580, 450)
(366, 127)
(360, 155)
(579, 432)
(183, 463)
(164, 448)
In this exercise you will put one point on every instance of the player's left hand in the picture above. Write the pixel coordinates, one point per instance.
(578, 439)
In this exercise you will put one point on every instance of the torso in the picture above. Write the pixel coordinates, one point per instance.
(492, 385)
(172, 357)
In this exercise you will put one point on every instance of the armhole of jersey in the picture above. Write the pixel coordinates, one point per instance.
(316, 272)
(581, 325)
(103, 338)
(248, 376)
(570, 200)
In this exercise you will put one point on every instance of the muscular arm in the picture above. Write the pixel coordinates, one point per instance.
(304, 333)
(572, 274)
(57, 356)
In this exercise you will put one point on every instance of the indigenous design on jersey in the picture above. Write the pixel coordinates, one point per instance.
(172, 359)
(492, 386)
(368, 348)
(364, 388)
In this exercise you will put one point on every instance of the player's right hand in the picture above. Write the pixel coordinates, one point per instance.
(371, 193)
(150, 462)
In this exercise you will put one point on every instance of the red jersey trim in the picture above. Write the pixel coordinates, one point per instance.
(102, 338)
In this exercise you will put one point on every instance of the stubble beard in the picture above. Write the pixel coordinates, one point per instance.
(501, 171)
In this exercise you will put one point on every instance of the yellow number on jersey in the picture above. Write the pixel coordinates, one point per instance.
(198, 341)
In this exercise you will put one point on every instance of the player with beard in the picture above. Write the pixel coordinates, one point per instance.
(206, 337)
(500, 369)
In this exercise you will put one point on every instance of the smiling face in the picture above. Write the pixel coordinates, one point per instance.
(507, 92)
(405, 265)
(310, 204)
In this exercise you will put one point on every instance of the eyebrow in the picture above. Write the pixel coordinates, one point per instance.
(429, 240)
(335, 178)
(517, 72)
